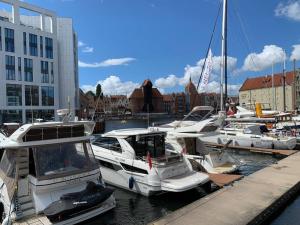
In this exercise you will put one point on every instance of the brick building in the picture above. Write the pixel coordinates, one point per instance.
(260, 89)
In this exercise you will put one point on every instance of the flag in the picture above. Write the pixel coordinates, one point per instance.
(207, 70)
(183, 151)
(149, 160)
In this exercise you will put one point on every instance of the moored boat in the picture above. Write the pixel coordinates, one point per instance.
(136, 160)
(45, 164)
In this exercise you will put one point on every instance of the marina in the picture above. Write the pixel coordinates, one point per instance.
(166, 138)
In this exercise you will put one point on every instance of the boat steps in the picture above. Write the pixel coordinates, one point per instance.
(24, 206)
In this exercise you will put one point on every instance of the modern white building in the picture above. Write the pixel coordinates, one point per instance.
(38, 63)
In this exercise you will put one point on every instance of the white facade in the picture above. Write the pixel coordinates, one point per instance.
(39, 38)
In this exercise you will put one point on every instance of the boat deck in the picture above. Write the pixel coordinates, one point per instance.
(253, 149)
(251, 200)
(35, 220)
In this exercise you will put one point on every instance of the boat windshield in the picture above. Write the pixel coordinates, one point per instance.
(154, 144)
(62, 159)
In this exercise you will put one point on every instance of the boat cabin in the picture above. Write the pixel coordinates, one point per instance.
(137, 142)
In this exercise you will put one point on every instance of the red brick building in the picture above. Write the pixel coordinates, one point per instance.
(137, 99)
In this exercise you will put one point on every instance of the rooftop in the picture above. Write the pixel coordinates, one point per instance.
(266, 81)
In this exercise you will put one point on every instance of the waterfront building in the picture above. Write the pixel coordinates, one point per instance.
(270, 92)
(38, 63)
(146, 98)
(193, 98)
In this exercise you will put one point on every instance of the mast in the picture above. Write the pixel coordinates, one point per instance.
(224, 57)
(284, 76)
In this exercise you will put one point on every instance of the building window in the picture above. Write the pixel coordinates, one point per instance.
(45, 72)
(13, 94)
(0, 39)
(41, 47)
(9, 116)
(52, 74)
(24, 43)
(19, 69)
(33, 45)
(31, 95)
(28, 70)
(10, 67)
(47, 96)
(9, 40)
(49, 48)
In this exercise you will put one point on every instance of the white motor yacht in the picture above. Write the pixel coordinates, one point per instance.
(250, 135)
(49, 175)
(136, 160)
(211, 161)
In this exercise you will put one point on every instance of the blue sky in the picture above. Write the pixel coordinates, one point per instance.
(123, 42)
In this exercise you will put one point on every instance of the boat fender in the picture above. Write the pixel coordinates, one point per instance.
(272, 146)
(252, 145)
(131, 182)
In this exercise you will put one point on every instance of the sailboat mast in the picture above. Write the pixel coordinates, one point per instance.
(224, 57)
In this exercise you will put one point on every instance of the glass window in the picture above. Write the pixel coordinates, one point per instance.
(9, 40)
(10, 67)
(31, 95)
(33, 45)
(66, 158)
(47, 96)
(0, 39)
(19, 68)
(13, 94)
(24, 43)
(11, 116)
(154, 144)
(28, 70)
(52, 74)
(41, 47)
(45, 72)
(49, 48)
(108, 143)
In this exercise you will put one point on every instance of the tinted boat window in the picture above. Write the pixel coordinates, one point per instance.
(108, 143)
(154, 144)
(65, 158)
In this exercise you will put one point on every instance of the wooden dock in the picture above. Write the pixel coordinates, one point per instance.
(252, 200)
(222, 180)
(253, 149)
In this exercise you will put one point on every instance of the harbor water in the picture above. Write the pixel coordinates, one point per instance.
(138, 210)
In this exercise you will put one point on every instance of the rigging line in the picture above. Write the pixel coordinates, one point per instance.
(248, 46)
(209, 45)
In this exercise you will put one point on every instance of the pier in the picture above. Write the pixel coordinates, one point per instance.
(252, 200)
(283, 152)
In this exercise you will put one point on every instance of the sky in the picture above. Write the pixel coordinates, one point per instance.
(123, 42)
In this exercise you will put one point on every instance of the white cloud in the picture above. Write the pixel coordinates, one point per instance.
(260, 61)
(295, 53)
(106, 63)
(168, 82)
(289, 9)
(81, 44)
(214, 86)
(85, 48)
(113, 85)
(195, 71)
(88, 49)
